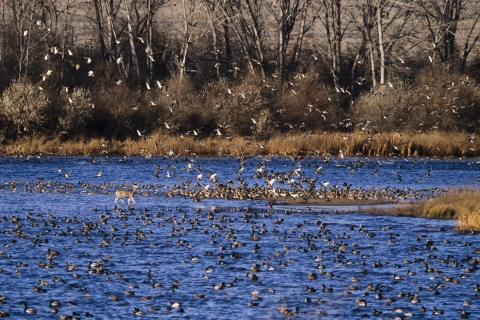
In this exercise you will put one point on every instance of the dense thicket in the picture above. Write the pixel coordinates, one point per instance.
(124, 68)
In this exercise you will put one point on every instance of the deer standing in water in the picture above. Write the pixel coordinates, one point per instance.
(126, 194)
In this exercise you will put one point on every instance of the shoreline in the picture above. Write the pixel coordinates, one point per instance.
(374, 207)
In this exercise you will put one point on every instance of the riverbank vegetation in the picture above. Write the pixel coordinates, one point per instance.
(321, 144)
(228, 78)
(463, 205)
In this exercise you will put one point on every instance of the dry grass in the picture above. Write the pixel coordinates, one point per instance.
(320, 144)
(462, 204)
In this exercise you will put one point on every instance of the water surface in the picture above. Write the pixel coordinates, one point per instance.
(191, 248)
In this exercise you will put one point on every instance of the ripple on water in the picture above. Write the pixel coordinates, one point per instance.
(173, 241)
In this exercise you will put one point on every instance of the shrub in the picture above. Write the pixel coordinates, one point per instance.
(22, 106)
(75, 112)
(438, 100)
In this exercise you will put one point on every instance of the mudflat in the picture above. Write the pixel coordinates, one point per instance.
(341, 202)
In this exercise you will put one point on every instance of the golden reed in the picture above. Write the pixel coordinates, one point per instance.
(461, 204)
(433, 144)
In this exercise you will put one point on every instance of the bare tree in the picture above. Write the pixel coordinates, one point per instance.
(442, 18)
(286, 17)
(473, 34)
(190, 18)
(131, 39)
(232, 17)
(304, 28)
(386, 27)
(331, 17)
(23, 14)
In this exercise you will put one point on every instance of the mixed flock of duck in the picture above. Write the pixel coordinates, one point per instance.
(206, 250)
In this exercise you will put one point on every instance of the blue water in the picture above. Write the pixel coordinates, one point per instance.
(166, 237)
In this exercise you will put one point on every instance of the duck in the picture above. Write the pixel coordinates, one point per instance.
(377, 312)
(156, 284)
(436, 311)
(114, 298)
(464, 314)
(138, 312)
(361, 302)
(55, 303)
(28, 310)
(219, 286)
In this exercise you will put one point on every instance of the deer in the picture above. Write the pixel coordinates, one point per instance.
(126, 194)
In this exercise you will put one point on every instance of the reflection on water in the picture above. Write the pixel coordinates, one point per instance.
(64, 240)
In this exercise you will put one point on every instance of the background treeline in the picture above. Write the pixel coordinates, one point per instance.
(117, 69)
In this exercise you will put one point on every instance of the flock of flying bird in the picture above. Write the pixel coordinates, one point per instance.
(294, 185)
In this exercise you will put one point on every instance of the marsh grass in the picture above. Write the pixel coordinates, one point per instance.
(463, 205)
(435, 144)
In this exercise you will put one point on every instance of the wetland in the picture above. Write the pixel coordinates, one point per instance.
(217, 237)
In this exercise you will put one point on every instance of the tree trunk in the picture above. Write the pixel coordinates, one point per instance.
(367, 25)
(149, 40)
(99, 18)
(380, 41)
(226, 38)
(241, 39)
(468, 47)
(256, 34)
(132, 43)
(299, 43)
(215, 46)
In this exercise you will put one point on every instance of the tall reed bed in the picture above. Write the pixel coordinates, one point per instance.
(434, 144)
